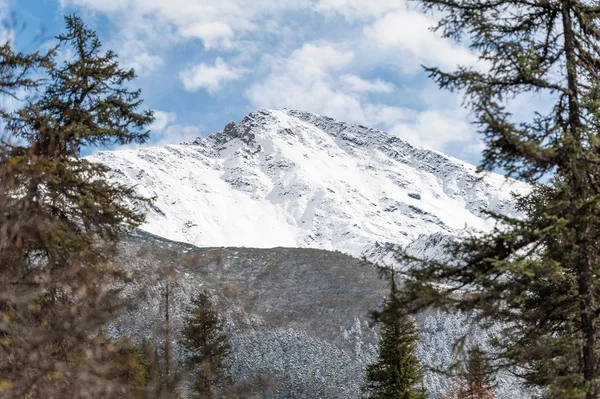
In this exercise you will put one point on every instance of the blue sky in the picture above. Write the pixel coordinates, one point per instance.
(203, 63)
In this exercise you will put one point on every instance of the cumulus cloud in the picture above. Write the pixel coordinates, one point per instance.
(161, 121)
(177, 134)
(218, 24)
(304, 80)
(144, 63)
(353, 10)
(313, 85)
(164, 130)
(313, 61)
(207, 77)
(136, 56)
(435, 128)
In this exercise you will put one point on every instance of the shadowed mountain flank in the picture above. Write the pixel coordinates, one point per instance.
(296, 316)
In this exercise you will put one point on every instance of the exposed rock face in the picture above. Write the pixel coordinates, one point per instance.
(282, 178)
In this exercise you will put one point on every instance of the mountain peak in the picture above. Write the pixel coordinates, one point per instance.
(286, 121)
(296, 179)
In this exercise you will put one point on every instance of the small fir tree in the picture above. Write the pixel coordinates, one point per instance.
(207, 347)
(475, 380)
(397, 374)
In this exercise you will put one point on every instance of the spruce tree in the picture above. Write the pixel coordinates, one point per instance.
(207, 348)
(397, 374)
(475, 380)
(535, 276)
(61, 219)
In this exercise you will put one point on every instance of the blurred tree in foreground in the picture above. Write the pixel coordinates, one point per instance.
(61, 219)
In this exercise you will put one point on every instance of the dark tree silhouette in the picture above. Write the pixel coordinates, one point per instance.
(536, 275)
(397, 374)
(207, 347)
(61, 219)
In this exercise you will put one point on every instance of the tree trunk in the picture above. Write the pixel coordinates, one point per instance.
(579, 186)
(167, 340)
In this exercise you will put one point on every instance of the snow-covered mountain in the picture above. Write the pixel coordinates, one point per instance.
(295, 179)
(283, 178)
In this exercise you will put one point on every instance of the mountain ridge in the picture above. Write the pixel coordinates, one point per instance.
(318, 182)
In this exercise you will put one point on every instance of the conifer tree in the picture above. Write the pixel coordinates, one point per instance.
(207, 347)
(61, 219)
(397, 374)
(475, 381)
(132, 366)
(536, 275)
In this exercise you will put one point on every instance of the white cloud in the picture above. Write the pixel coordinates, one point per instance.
(360, 85)
(207, 77)
(96, 5)
(407, 34)
(437, 128)
(218, 24)
(307, 80)
(161, 121)
(135, 56)
(313, 86)
(291, 62)
(210, 32)
(164, 131)
(177, 134)
(354, 10)
(313, 61)
(144, 64)
(282, 90)
(304, 81)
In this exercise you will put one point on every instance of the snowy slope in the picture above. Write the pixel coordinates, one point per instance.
(294, 179)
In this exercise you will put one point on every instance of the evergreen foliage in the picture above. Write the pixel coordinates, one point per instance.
(534, 276)
(397, 374)
(207, 347)
(130, 364)
(60, 217)
(475, 381)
